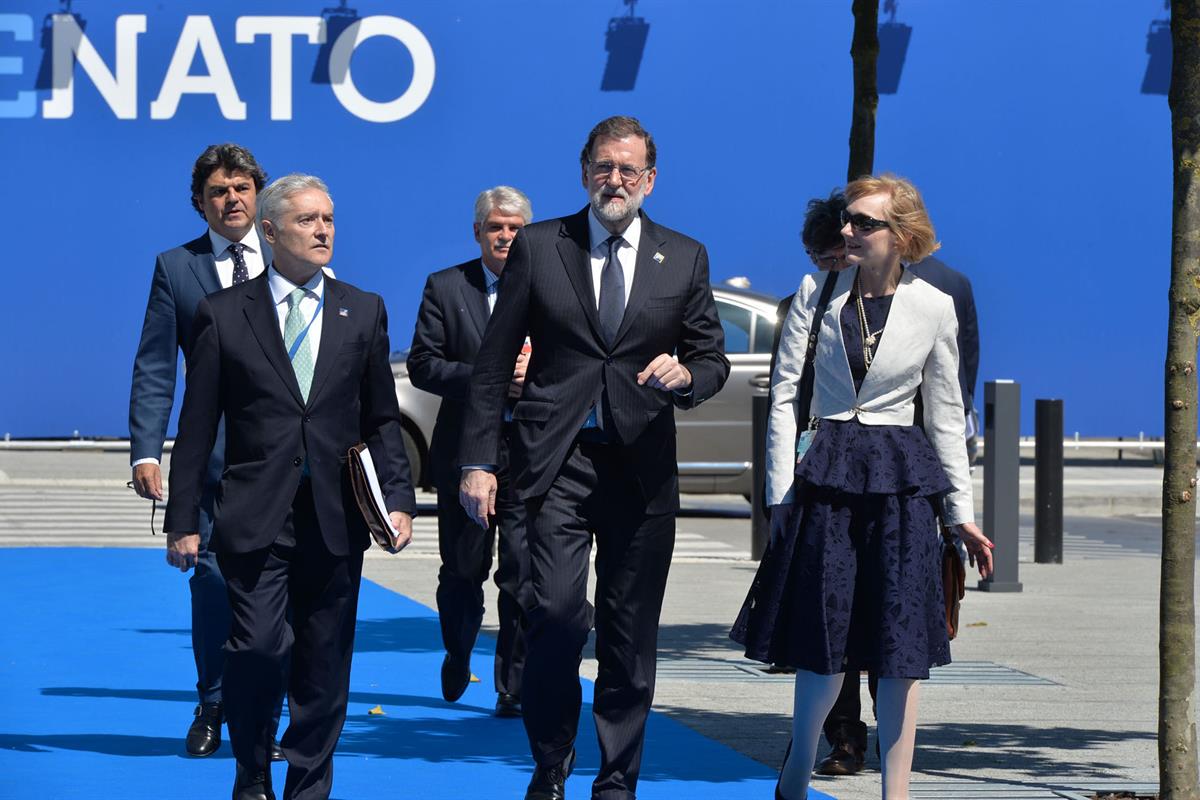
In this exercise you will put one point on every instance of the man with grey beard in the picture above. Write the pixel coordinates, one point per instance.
(623, 328)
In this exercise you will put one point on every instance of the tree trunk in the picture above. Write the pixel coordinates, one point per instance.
(1177, 605)
(864, 53)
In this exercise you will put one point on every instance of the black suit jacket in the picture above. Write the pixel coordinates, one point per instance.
(547, 290)
(238, 367)
(450, 324)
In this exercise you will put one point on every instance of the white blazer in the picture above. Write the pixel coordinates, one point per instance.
(918, 350)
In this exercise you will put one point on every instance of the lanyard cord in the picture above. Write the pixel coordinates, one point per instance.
(300, 339)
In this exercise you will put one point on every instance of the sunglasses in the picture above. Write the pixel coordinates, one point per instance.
(861, 223)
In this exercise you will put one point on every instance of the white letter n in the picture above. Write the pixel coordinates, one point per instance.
(70, 45)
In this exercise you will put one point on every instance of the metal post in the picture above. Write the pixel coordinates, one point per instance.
(1001, 482)
(1048, 482)
(760, 525)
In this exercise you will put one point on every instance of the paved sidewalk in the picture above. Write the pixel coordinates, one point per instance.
(1053, 687)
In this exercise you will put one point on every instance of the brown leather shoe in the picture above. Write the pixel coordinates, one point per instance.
(204, 734)
(843, 759)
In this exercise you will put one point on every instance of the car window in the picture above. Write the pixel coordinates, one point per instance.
(764, 333)
(736, 321)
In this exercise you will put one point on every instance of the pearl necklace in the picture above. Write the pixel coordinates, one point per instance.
(869, 338)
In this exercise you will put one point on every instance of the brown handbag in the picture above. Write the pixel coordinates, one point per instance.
(954, 579)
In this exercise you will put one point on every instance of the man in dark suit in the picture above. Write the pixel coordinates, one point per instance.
(454, 312)
(225, 183)
(623, 327)
(958, 286)
(297, 364)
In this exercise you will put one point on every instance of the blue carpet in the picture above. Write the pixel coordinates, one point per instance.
(96, 693)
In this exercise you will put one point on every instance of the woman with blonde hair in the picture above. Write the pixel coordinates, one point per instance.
(851, 580)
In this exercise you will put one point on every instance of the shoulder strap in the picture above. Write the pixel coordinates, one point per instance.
(807, 375)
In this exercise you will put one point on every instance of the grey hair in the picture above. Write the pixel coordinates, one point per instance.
(272, 199)
(506, 199)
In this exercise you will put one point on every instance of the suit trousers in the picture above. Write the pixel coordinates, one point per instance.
(466, 551)
(321, 592)
(210, 610)
(595, 494)
(844, 723)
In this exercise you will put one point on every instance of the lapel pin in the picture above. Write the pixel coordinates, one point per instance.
(343, 312)
(659, 257)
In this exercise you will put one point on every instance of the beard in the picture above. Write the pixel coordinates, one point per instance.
(612, 212)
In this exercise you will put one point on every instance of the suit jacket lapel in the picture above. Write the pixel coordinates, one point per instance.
(204, 265)
(264, 323)
(474, 295)
(333, 331)
(573, 248)
(646, 274)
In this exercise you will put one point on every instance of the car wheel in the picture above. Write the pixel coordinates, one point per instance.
(414, 457)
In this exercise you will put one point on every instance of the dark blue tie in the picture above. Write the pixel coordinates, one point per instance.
(612, 291)
(240, 273)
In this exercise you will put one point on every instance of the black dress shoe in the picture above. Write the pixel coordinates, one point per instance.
(548, 782)
(249, 785)
(276, 753)
(456, 676)
(508, 705)
(844, 759)
(204, 734)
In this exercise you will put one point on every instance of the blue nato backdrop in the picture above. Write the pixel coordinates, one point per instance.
(1038, 131)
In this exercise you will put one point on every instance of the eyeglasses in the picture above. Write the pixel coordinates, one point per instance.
(861, 223)
(602, 169)
(820, 257)
(153, 508)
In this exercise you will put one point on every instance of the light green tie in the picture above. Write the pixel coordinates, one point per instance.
(302, 363)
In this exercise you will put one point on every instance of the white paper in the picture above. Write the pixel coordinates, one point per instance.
(373, 482)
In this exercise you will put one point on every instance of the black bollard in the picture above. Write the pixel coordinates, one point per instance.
(760, 523)
(1048, 482)
(1001, 482)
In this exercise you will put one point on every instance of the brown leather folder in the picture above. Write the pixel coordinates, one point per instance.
(367, 494)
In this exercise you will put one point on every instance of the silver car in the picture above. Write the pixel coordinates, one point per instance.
(714, 440)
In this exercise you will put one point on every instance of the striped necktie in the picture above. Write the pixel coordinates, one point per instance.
(612, 291)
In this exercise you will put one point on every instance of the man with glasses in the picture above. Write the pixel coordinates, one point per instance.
(824, 246)
(226, 180)
(624, 328)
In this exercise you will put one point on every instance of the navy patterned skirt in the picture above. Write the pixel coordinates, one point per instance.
(854, 582)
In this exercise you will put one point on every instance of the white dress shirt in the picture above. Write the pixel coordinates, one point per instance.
(626, 251)
(281, 287)
(223, 259)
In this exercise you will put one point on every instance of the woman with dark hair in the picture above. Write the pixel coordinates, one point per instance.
(850, 580)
